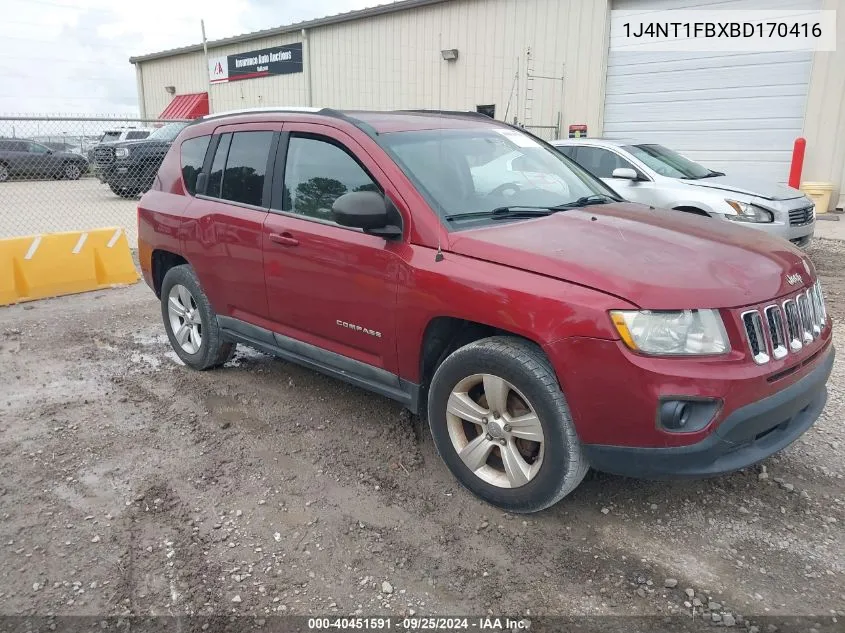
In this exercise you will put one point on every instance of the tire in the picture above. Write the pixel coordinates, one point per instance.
(548, 470)
(203, 346)
(4, 173)
(71, 171)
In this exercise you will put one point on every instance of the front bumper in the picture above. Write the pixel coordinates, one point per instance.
(124, 176)
(799, 235)
(748, 435)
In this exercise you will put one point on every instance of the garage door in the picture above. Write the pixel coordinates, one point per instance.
(734, 112)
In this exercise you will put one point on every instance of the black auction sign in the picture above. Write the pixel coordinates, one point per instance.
(279, 60)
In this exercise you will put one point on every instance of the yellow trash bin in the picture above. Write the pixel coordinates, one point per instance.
(820, 193)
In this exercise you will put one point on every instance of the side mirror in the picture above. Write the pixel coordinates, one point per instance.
(625, 173)
(369, 211)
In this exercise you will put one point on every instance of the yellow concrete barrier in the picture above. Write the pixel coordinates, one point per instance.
(54, 264)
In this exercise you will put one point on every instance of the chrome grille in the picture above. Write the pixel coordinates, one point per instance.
(756, 340)
(799, 217)
(821, 309)
(793, 325)
(779, 330)
(103, 156)
(806, 317)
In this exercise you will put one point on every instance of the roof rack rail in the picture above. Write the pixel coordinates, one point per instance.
(271, 109)
(331, 112)
(469, 113)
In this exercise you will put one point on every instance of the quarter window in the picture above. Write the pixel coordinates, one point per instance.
(600, 162)
(193, 156)
(318, 173)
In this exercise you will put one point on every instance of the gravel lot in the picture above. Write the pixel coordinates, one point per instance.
(131, 485)
(46, 206)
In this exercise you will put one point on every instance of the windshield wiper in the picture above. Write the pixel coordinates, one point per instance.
(585, 202)
(711, 174)
(506, 212)
(521, 211)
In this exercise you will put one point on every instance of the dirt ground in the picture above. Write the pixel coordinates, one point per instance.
(130, 485)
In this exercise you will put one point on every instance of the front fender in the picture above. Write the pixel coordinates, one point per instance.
(536, 307)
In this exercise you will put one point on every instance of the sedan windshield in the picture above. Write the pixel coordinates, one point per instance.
(668, 163)
(168, 131)
(489, 174)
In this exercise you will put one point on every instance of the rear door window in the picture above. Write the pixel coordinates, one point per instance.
(566, 150)
(246, 167)
(601, 162)
(193, 155)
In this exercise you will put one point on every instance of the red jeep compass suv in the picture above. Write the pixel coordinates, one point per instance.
(469, 271)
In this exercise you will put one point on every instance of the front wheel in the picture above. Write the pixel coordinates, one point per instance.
(190, 321)
(4, 173)
(72, 171)
(501, 423)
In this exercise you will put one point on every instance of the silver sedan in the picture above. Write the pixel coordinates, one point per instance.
(655, 175)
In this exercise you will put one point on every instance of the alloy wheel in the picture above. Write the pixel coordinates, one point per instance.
(185, 321)
(495, 430)
(72, 171)
(4, 173)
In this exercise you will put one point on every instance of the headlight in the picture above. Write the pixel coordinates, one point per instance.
(748, 212)
(121, 152)
(672, 332)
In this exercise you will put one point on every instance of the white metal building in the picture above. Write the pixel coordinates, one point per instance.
(546, 63)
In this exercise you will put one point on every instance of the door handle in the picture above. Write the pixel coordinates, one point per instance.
(285, 239)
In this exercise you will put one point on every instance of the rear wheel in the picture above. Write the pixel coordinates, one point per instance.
(191, 322)
(502, 425)
(4, 173)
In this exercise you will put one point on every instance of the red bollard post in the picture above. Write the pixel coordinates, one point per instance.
(797, 162)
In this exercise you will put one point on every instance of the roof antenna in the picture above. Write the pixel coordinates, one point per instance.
(438, 256)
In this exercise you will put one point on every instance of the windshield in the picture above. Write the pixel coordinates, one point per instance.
(668, 163)
(475, 171)
(167, 132)
(110, 136)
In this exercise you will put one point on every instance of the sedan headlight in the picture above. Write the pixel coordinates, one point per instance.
(674, 332)
(121, 152)
(746, 212)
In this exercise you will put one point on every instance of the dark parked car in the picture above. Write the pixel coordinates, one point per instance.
(129, 167)
(20, 158)
(540, 323)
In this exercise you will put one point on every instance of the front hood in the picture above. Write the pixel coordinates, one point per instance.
(748, 186)
(655, 259)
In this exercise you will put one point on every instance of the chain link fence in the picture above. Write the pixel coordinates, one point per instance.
(72, 174)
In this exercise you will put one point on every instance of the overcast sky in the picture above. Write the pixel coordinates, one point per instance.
(72, 56)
